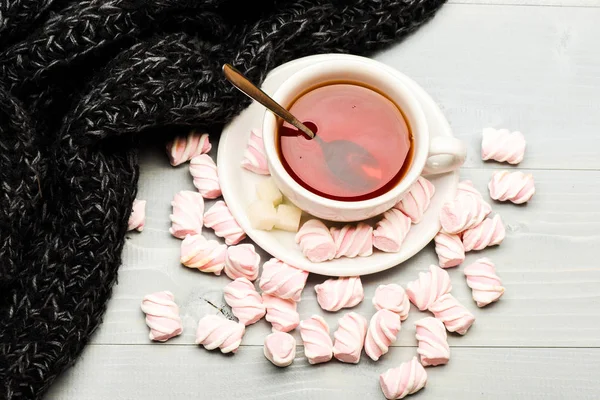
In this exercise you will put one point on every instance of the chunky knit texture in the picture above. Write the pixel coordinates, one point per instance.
(80, 83)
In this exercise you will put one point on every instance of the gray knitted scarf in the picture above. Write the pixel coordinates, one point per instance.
(80, 83)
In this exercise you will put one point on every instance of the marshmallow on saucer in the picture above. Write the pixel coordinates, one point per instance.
(516, 187)
(242, 261)
(204, 255)
(408, 378)
(486, 286)
(280, 348)
(255, 159)
(218, 332)
(245, 302)
(184, 148)
(162, 316)
(392, 297)
(137, 219)
(350, 338)
(417, 200)
(220, 219)
(315, 241)
(463, 212)
(206, 179)
(455, 316)
(318, 347)
(188, 214)
(281, 280)
(353, 240)
(502, 145)
(383, 330)
(429, 287)
(489, 233)
(335, 294)
(281, 313)
(450, 249)
(391, 231)
(433, 342)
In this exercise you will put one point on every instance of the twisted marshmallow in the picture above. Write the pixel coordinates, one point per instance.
(255, 159)
(282, 280)
(206, 179)
(465, 211)
(516, 187)
(417, 200)
(242, 261)
(455, 316)
(383, 330)
(162, 316)
(450, 249)
(391, 231)
(215, 331)
(433, 342)
(408, 378)
(219, 218)
(188, 214)
(318, 347)
(392, 297)
(486, 286)
(137, 219)
(489, 233)
(280, 349)
(281, 313)
(335, 294)
(429, 287)
(315, 241)
(502, 145)
(204, 255)
(350, 338)
(353, 241)
(184, 148)
(245, 302)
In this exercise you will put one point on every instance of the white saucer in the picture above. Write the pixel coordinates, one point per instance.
(238, 185)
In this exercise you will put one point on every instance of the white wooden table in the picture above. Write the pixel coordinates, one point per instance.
(531, 65)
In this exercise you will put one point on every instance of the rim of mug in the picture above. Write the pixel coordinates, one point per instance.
(296, 84)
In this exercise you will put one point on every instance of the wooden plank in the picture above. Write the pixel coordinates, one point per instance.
(180, 372)
(546, 263)
(523, 68)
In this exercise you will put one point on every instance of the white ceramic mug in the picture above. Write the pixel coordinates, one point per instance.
(442, 154)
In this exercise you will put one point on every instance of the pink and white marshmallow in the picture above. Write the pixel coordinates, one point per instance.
(282, 280)
(408, 378)
(516, 187)
(391, 231)
(245, 302)
(137, 219)
(353, 240)
(463, 212)
(206, 179)
(162, 316)
(255, 159)
(318, 347)
(485, 285)
(204, 255)
(335, 294)
(417, 200)
(218, 332)
(242, 261)
(429, 287)
(281, 313)
(433, 342)
(382, 333)
(350, 338)
(184, 148)
(489, 233)
(220, 219)
(188, 214)
(450, 249)
(455, 316)
(502, 145)
(316, 241)
(280, 349)
(392, 297)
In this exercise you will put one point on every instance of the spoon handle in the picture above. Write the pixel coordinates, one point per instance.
(249, 89)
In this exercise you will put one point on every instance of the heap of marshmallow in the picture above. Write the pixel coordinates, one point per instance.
(466, 226)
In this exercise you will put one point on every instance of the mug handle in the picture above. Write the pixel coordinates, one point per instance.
(453, 148)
